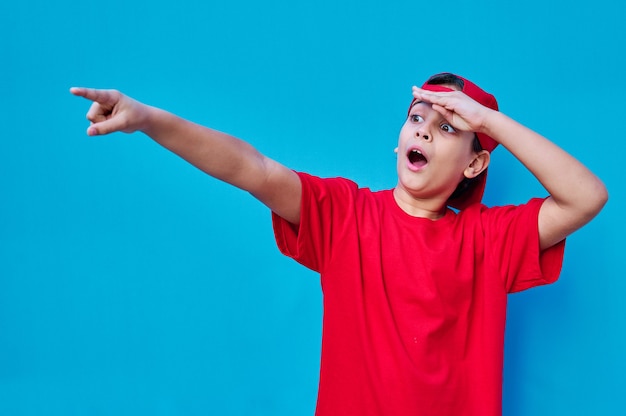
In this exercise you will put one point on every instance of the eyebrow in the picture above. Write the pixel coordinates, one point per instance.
(418, 102)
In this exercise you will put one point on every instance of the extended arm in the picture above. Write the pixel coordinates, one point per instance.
(576, 194)
(218, 154)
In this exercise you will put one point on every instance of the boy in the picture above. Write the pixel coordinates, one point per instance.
(414, 292)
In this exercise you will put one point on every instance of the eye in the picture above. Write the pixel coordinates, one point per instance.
(447, 128)
(416, 118)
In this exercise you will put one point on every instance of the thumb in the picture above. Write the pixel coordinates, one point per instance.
(111, 125)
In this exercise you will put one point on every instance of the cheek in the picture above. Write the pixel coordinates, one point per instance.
(458, 160)
(406, 134)
(461, 149)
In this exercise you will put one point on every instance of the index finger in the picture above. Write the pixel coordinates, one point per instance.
(419, 92)
(106, 97)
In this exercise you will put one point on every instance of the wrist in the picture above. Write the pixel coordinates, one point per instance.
(149, 119)
(491, 124)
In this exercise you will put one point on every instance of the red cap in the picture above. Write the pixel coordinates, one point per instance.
(475, 193)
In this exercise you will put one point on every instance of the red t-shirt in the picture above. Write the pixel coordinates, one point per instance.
(414, 309)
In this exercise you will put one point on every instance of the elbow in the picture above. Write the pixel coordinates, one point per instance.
(597, 199)
(588, 203)
(604, 198)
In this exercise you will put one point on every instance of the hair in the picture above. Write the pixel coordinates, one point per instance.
(446, 78)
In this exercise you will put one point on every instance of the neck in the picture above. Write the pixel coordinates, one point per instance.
(422, 208)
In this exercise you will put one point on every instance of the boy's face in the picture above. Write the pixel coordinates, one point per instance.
(432, 155)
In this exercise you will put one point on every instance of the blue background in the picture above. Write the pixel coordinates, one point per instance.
(131, 283)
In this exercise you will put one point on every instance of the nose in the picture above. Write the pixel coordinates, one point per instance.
(423, 133)
(423, 129)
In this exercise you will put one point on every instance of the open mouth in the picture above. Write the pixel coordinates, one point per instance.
(416, 158)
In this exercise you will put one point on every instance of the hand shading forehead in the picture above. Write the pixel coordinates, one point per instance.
(434, 88)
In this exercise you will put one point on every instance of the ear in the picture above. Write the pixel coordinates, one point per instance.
(478, 164)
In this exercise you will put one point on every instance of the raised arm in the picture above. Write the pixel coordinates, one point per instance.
(218, 154)
(576, 194)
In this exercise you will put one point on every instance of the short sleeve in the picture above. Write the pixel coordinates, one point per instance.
(512, 247)
(325, 206)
